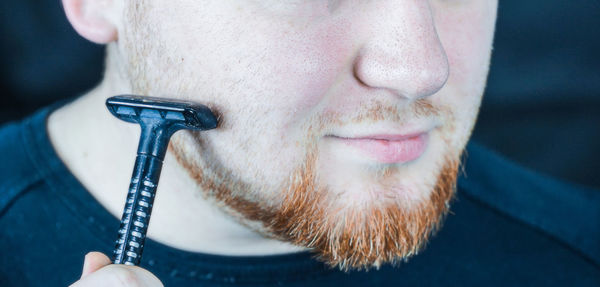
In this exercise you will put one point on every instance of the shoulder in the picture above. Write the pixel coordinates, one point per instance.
(19, 167)
(567, 212)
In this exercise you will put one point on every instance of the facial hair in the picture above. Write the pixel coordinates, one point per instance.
(306, 213)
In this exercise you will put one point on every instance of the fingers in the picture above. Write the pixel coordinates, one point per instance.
(94, 261)
(117, 275)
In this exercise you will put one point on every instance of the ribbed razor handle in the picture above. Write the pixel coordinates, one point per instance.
(138, 207)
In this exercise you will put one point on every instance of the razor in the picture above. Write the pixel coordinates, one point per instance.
(159, 119)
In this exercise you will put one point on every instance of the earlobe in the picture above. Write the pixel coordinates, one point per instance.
(90, 19)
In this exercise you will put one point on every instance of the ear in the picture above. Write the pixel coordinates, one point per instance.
(93, 19)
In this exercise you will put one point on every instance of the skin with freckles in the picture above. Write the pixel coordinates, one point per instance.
(342, 122)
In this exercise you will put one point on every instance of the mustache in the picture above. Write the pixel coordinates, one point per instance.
(421, 110)
(379, 111)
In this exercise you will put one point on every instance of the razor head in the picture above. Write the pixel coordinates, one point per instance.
(173, 113)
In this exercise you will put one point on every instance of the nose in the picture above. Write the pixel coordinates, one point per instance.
(403, 53)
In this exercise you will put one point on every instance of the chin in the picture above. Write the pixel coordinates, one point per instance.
(362, 224)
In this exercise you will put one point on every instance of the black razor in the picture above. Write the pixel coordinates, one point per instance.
(159, 120)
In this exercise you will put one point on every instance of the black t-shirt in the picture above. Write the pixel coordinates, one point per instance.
(508, 227)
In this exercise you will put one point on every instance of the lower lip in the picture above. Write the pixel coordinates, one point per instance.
(390, 151)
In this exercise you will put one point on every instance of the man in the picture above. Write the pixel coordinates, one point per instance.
(342, 127)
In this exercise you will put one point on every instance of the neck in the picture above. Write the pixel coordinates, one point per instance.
(100, 151)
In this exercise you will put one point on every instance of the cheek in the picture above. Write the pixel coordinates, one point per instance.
(309, 64)
(466, 32)
(267, 65)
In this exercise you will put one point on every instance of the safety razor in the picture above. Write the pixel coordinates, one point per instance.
(159, 119)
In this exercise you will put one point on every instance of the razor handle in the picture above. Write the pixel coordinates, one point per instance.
(138, 207)
(140, 198)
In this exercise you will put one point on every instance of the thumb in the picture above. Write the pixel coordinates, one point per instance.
(94, 261)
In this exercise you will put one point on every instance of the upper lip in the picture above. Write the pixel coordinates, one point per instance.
(387, 137)
(383, 131)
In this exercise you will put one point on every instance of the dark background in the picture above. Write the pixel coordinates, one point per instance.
(541, 107)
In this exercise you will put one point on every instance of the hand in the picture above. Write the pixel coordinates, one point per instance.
(98, 271)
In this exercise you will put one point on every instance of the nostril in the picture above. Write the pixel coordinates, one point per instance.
(430, 81)
(411, 71)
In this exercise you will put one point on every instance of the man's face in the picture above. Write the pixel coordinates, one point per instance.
(342, 122)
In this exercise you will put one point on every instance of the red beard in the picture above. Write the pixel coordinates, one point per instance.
(347, 238)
